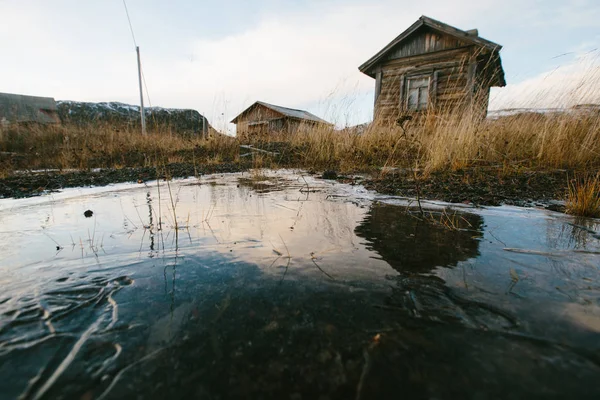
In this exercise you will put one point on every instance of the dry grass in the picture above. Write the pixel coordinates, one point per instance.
(583, 198)
(99, 146)
(561, 140)
(568, 140)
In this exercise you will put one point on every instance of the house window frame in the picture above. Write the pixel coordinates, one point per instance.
(420, 106)
(432, 76)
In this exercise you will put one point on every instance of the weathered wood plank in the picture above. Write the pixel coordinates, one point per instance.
(429, 58)
(426, 41)
(401, 93)
(378, 85)
(433, 90)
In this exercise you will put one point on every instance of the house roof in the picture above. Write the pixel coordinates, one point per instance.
(285, 112)
(464, 36)
(21, 108)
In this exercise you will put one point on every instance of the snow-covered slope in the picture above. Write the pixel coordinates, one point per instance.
(120, 114)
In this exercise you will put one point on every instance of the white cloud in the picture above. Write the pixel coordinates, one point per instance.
(302, 60)
(308, 59)
(576, 82)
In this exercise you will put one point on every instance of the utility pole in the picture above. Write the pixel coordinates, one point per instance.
(142, 112)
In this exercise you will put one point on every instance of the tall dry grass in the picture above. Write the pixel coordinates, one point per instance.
(569, 139)
(583, 197)
(103, 146)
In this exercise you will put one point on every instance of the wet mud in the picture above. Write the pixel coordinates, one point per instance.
(28, 184)
(480, 187)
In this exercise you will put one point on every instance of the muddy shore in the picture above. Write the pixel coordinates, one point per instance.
(486, 187)
(28, 184)
(477, 186)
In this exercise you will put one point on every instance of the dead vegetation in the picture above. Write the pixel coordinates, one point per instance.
(104, 146)
(568, 140)
(583, 198)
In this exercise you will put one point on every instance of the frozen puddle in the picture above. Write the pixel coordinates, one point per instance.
(282, 286)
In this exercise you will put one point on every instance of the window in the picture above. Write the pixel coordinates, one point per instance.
(417, 93)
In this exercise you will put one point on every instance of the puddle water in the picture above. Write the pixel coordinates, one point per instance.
(282, 286)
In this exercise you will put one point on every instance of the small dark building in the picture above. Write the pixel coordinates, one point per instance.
(16, 109)
(264, 118)
(436, 67)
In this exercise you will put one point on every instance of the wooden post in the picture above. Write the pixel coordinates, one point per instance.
(142, 112)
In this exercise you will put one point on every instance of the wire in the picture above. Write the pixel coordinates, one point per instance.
(135, 44)
(130, 26)
(146, 86)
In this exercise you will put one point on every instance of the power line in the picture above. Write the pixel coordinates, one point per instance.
(130, 25)
(135, 44)
(140, 72)
(146, 86)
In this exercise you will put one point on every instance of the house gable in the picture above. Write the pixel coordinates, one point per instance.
(425, 36)
(257, 112)
(270, 111)
(424, 40)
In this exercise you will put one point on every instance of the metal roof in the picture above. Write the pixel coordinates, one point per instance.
(434, 24)
(15, 108)
(284, 111)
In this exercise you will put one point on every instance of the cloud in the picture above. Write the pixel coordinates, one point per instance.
(307, 59)
(304, 57)
(576, 82)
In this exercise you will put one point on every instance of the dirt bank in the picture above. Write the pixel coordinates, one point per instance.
(477, 186)
(490, 187)
(33, 184)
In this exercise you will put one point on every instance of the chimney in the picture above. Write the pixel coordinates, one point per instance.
(472, 32)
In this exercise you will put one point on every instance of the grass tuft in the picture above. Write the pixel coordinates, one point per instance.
(583, 197)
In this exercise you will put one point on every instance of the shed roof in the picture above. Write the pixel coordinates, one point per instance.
(285, 112)
(21, 108)
(465, 36)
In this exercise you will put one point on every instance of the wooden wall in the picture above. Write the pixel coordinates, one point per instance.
(256, 114)
(274, 122)
(457, 79)
(425, 41)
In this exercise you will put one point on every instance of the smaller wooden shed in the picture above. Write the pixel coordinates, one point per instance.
(433, 66)
(263, 118)
(17, 108)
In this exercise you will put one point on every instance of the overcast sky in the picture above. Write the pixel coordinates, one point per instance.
(219, 57)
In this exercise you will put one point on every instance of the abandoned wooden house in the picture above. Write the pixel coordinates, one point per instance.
(18, 109)
(433, 66)
(263, 118)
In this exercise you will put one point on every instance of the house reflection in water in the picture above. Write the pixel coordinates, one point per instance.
(415, 245)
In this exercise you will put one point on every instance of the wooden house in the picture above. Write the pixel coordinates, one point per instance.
(433, 66)
(264, 118)
(18, 109)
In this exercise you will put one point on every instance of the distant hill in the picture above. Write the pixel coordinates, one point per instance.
(182, 121)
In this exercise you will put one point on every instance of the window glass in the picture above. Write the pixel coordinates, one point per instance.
(413, 99)
(417, 93)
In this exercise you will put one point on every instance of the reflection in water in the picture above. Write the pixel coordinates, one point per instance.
(282, 290)
(414, 244)
(150, 223)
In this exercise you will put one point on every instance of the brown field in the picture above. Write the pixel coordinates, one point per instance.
(528, 141)
(569, 140)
